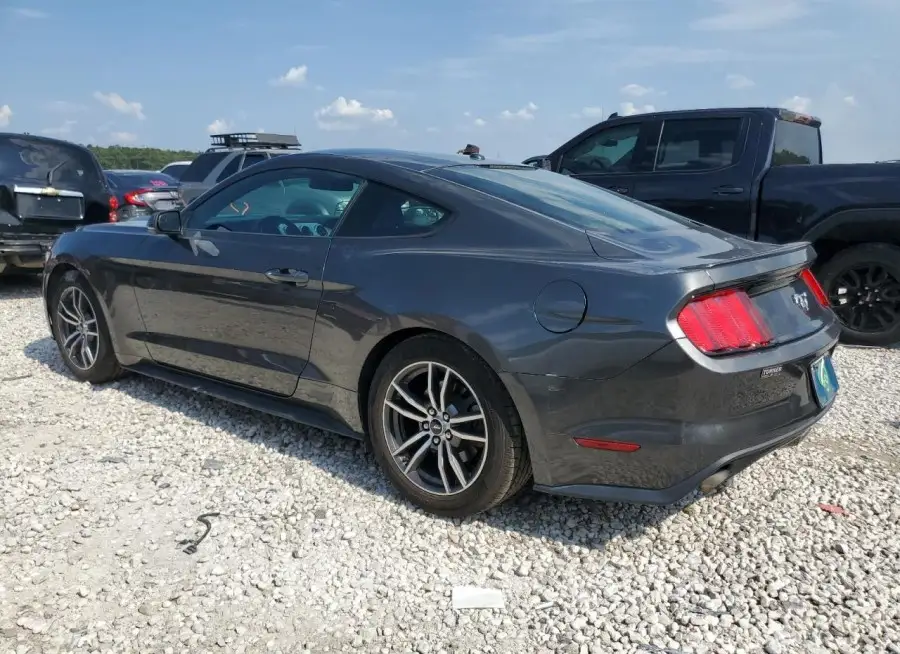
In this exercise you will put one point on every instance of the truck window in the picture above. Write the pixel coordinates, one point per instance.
(230, 169)
(699, 144)
(202, 166)
(795, 144)
(607, 151)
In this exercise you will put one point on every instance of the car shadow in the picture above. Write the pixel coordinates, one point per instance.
(19, 286)
(532, 514)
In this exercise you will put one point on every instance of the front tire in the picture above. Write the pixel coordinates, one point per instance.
(81, 332)
(863, 287)
(444, 429)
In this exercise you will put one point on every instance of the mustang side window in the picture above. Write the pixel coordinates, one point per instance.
(304, 203)
(384, 211)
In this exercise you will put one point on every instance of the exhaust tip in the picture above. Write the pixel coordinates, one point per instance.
(714, 482)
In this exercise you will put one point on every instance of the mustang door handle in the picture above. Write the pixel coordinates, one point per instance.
(729, 190)
(288, 276)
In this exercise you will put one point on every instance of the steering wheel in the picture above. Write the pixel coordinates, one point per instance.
(278, 225)
(598, 162)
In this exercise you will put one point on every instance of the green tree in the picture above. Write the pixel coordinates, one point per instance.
(118, 156)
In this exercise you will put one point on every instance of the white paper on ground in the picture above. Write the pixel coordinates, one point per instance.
(472, 597)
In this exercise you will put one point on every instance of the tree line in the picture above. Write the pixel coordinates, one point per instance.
(119, 157)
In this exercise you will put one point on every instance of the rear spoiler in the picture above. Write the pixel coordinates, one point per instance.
(785, 257)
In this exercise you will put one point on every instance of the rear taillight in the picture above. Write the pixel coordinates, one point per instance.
(113, 208)
(724, 321)
(135, 197)
(814, 286)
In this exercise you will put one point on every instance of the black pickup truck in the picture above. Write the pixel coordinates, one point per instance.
(758, 173)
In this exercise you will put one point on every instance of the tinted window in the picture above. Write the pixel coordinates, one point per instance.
(230, 168)
(564, 198)
(253, 158)
(202, 166)
(30, 161)
(697, 144)
(384, 211)
(607, 151)
(795, 144)
(289, 203)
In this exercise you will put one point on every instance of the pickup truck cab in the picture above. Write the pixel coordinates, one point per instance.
(758, 173)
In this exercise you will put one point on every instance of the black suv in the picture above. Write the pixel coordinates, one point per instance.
(230, 153)
(47, 187)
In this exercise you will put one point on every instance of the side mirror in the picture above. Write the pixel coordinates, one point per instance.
(546, 164)
(166, 222)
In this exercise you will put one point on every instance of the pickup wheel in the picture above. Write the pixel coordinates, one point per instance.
(863, 287)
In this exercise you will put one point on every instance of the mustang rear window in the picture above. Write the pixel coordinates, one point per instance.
(564, 198)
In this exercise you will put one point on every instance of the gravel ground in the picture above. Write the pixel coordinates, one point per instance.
(313, 551)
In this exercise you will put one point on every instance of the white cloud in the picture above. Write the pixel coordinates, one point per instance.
(118, 103)
(739, 82)
(25, 12)
(851, 100)
(525, 113)
(123, 138)
(630, 109)
(63, 130)
(6, 114)
(590, 112)
(296, 76)
(344, 114)
(218, 126)
(480, 122)
(635, 90)
(798, 103)
(746, 15)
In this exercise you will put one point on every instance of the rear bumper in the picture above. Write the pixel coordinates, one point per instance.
(24, 252)
(732, 463)
(690, 420)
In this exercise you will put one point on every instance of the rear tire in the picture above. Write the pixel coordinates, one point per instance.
(491, 462)
(81, 332)
(862, 283)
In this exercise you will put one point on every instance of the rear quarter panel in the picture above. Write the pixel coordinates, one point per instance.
(808, 202)
(106, 255)
(477, 280)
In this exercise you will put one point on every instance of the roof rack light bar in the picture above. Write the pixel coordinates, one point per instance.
(254, 139)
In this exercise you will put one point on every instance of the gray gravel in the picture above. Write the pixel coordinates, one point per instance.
(313, 550)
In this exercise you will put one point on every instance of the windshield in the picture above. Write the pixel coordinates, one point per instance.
(796, 143)
(30, 161)
(564, 198)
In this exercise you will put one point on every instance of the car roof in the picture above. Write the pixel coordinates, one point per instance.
(415, 161)
(42, 139)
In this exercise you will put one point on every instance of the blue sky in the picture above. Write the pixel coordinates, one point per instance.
(516, 77)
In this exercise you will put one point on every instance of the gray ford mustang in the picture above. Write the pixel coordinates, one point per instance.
(486, 326)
